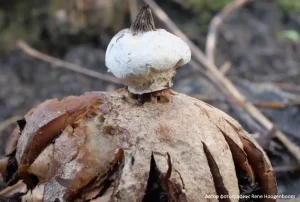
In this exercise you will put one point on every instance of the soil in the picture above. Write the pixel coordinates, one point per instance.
(248, 39)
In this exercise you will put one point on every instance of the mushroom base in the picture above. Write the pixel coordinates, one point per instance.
(102, 147)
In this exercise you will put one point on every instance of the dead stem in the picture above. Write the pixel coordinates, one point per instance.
(63, 64)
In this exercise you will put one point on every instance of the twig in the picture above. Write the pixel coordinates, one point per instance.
(223, 83)
(133, 8)
(224, 70)
(288, 87)
(284, 169)
(63, 64)
(225, 67)
(268, 105)
(216, 22)
(277, 105)
(8, 122)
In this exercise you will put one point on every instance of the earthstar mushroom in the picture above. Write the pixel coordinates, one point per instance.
(103, 147)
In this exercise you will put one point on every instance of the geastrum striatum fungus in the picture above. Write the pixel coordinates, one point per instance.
(146, 143)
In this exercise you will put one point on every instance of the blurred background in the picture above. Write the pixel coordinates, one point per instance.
(257, 48)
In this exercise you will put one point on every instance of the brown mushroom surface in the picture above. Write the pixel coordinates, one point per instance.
(104, 147)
